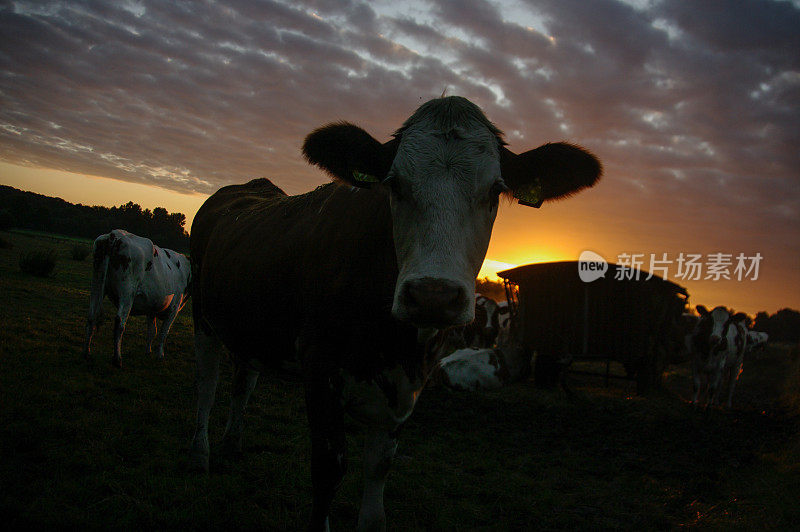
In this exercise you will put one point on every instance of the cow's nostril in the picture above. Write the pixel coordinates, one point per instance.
(433, 300)
(409, 297)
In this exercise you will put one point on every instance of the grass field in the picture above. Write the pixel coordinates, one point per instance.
(103, 448)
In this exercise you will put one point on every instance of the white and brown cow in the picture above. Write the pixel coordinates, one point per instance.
(356, 276)
(140, 278)
(717, 344)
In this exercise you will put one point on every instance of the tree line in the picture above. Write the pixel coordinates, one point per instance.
(28, 210)
(783, 326)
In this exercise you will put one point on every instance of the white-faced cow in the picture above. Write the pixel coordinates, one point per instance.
(356, 276)
(717, 346)
(140, 278)
(482, 332)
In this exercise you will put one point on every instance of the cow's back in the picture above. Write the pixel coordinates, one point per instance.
(127, 254)
(269, 268)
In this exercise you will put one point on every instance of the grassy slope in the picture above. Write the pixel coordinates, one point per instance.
(107, 448)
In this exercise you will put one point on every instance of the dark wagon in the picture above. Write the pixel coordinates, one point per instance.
(628, 320)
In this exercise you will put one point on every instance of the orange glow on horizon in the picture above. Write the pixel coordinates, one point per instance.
(93, 190)
(557, 235)
(490, 267)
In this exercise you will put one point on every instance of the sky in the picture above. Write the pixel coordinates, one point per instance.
(692, 107)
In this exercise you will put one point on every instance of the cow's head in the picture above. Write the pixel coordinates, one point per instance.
(487, 318)
(711, 332)
(446, 168)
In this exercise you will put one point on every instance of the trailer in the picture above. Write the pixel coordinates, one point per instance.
(625, 316)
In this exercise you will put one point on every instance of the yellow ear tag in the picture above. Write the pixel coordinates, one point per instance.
(364, 178)
(530, 195)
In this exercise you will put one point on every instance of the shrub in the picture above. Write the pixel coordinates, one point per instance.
(5, 244)
(80, 252)
(7, 220)
(38, 263)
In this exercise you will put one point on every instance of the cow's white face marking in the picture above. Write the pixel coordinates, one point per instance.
(445, 189)
(446, 168)
(719, 317)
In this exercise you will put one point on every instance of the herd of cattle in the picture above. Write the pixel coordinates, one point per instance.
(139, 278)
(368, 282)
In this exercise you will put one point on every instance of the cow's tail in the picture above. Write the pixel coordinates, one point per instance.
(99, 269)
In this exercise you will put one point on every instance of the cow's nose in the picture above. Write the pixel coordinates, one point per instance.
(434, 302)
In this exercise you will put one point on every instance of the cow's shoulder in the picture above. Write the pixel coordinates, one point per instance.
(232, 200)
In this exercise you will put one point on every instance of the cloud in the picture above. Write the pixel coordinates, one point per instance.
(696, 101)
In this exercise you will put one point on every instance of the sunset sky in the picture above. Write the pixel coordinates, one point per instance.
(692, 106)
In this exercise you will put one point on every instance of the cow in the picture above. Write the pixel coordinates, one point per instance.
(472, 369)
(140, 278)
(503, 322)
(717, 344)
(756, 340)
(482, 332)
(355, 277)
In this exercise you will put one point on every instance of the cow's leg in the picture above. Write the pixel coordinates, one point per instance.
(714, 382)
(120, 320)
(697, 381)
(91, 327)
(165, 326)
(244, 380)
(328, 446)
(733, 378)
(207, 351)
(379, 449)
(151, 332)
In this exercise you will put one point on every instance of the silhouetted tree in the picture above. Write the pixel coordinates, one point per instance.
(7, 220)
(43, 213)
(491, 289)
(783, 326)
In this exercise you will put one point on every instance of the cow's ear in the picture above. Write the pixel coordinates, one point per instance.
(701, 310)
(549, 172)
(739, 316)
(350, 154)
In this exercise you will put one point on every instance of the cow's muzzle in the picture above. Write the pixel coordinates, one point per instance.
(431, 302)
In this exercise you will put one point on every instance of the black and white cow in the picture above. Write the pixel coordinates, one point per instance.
(355, 277)
(482, 332)
(717, 345)
(471, 368)
(140, 278)
(487, 368)
(756, 340)
(503, 322)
